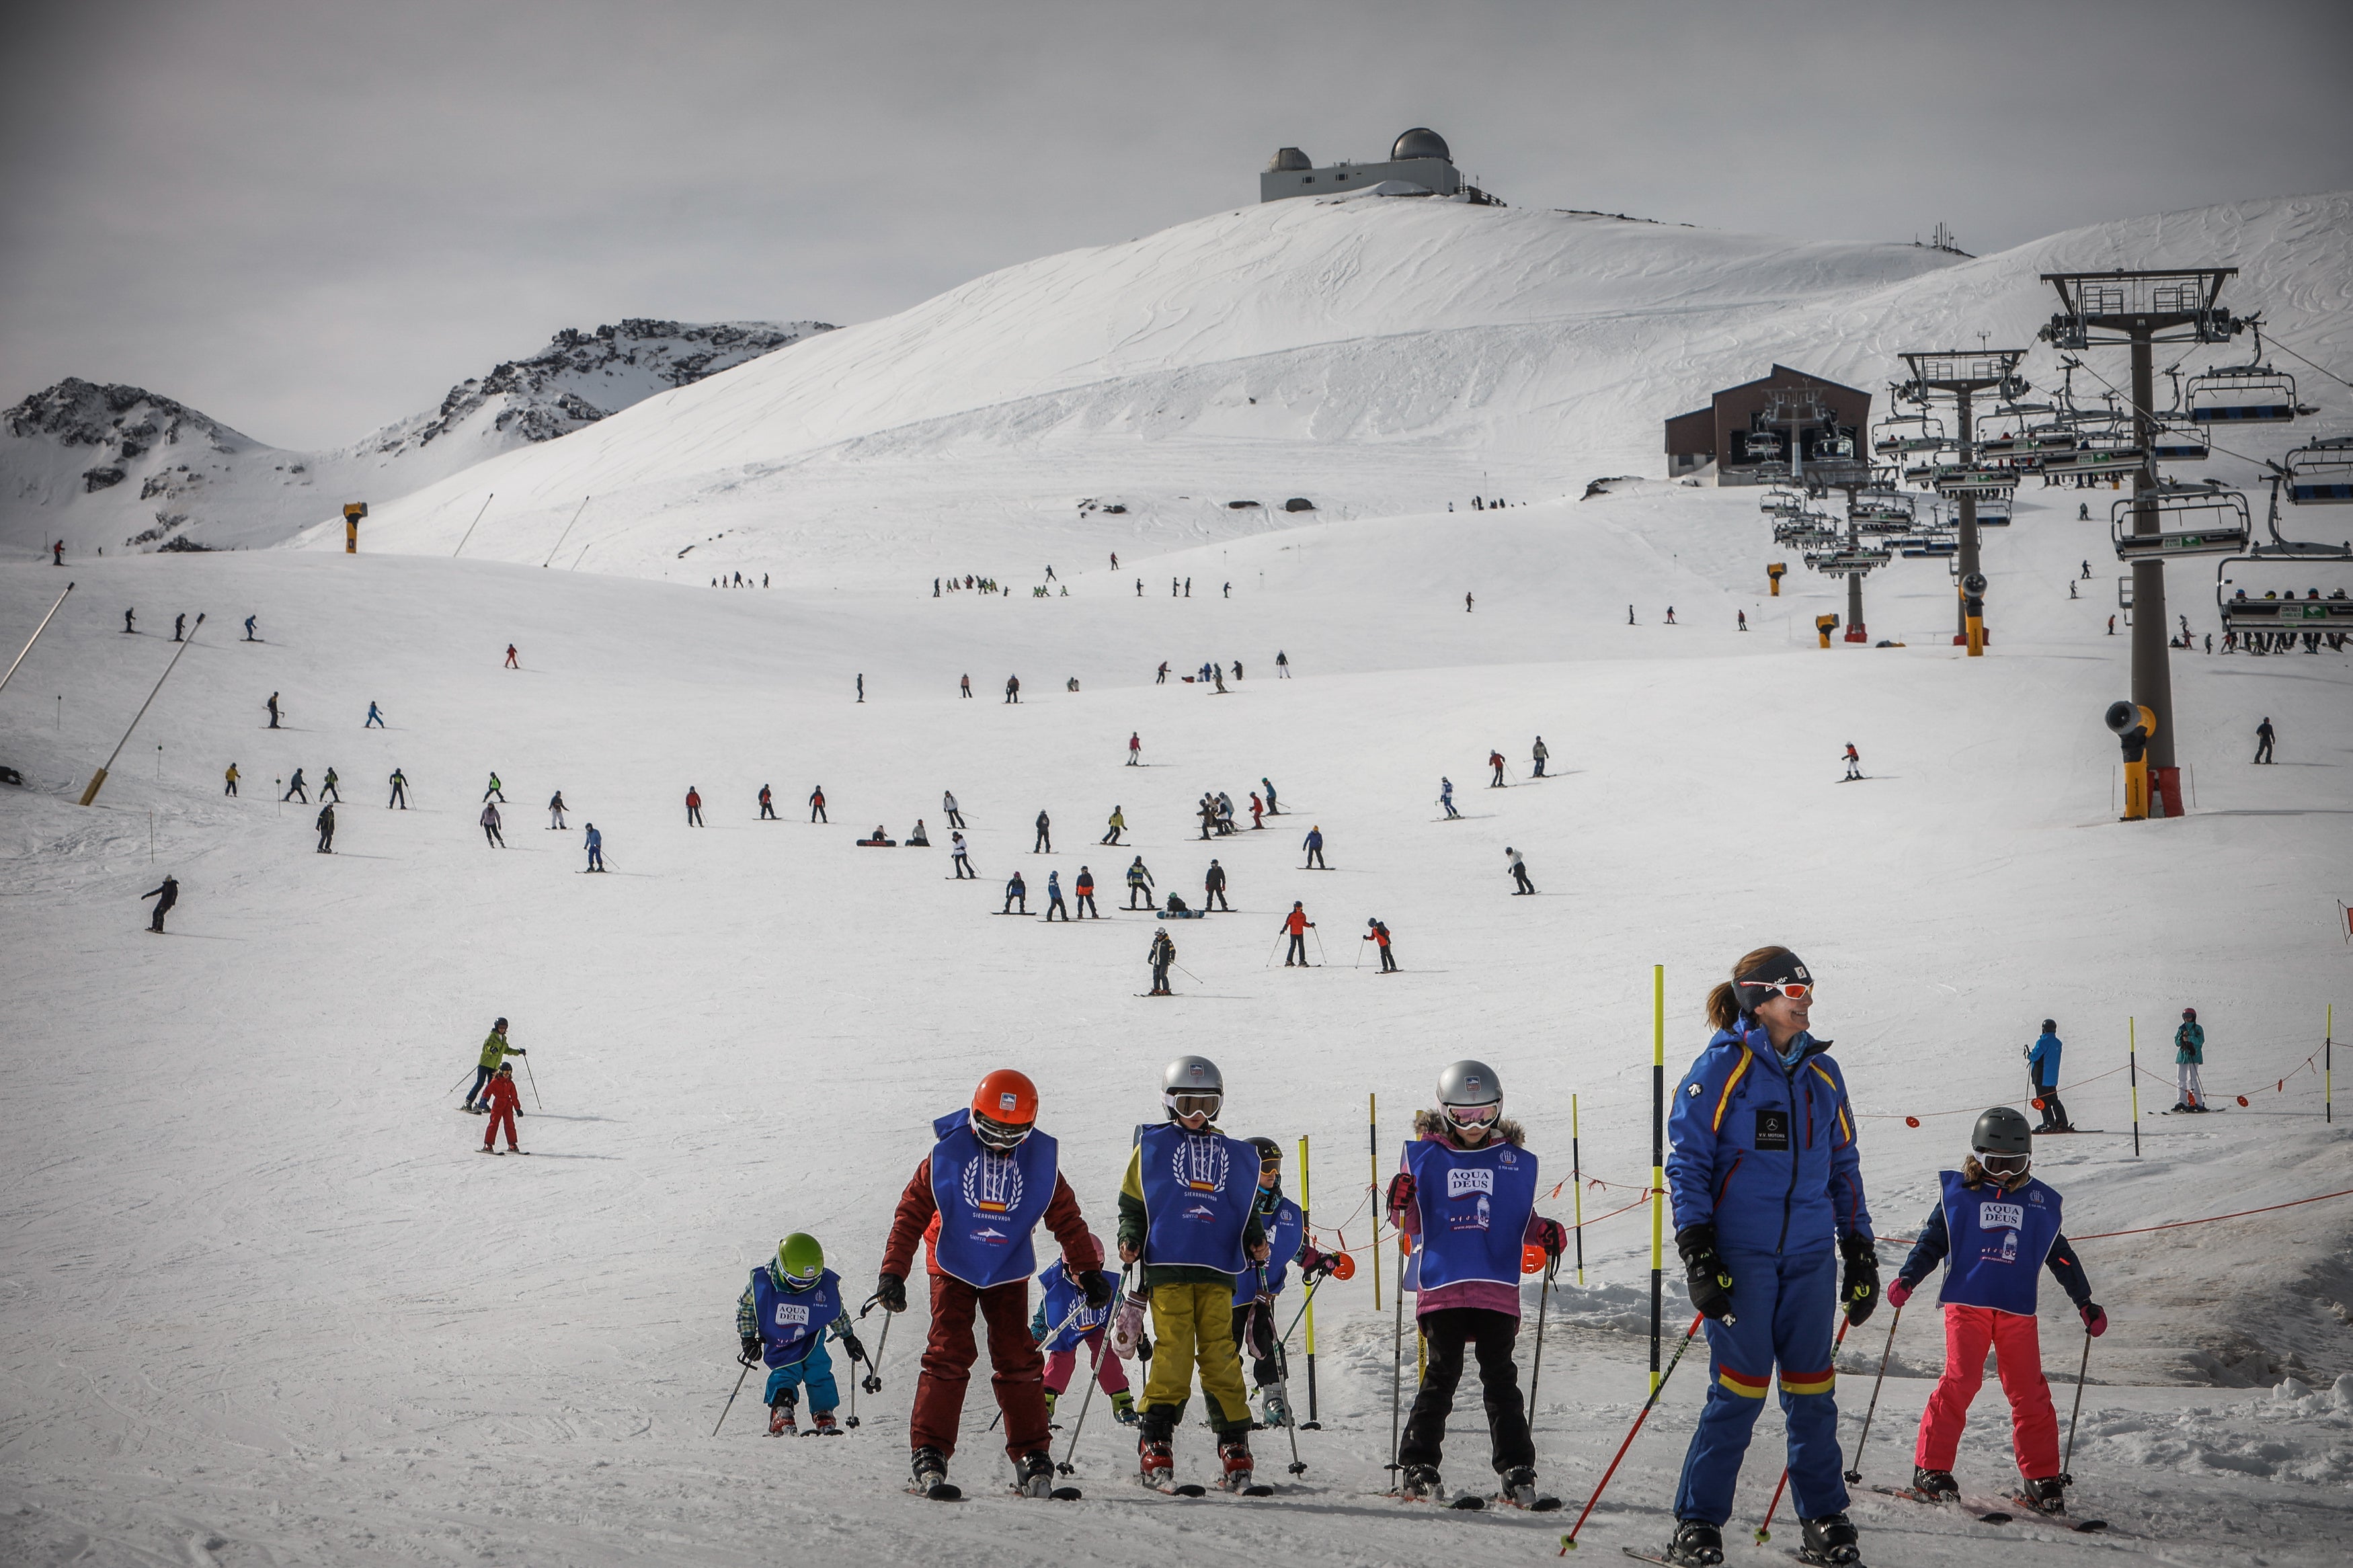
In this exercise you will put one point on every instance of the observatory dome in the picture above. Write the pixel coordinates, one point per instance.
(1287, 159)
(1421, 142)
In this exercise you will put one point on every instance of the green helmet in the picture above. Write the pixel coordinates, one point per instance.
(799, 1258)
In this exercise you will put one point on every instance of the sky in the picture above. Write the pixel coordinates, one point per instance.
(310, 219)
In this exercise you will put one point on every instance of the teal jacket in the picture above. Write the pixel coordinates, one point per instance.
(2189, 1043)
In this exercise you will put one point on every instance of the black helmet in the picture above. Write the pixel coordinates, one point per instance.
(500, 1025)
(2050, 1026)
(1268, 1150)
(2002, 1129)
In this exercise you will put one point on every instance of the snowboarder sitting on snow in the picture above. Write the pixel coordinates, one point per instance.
(978, 1197)
(1062, 1305)
(495, 1050)
(1998, 1227)
(1286, 1241)
(1189, 1218)
(791, 1308)
(1016, 890)
(1177, 906)
(1467, 1198)
(505, 1104)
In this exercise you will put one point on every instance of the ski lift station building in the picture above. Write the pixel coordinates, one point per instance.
(1420, 157)
(1733, 430)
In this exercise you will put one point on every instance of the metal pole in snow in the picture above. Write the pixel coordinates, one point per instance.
(1658, 1157)
(568, 530)
(2132, 1073)
(460, 549)
(29, 641)
(98, 779)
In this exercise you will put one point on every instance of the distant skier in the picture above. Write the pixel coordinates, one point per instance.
(2042, 1074)
(510, 663)
(1084, 890)
(2263, 739)
(1268, 785)
(1116, 826)
(1519, 872)
(595, 843)
(490, 819)
(1213, 888)
(816, 805)
(399, 782)
(1281, 665)
(1446, 797)
(130, 624)
(1134, 749)
(1013, 689)
(1163, 955)
(1298, 925)
(2112, 625)
(1016, 891)
(1054, 897)
(1379, 935)
(165, 897)
(248, 629)
(1162, 678)
(767, 805)
(495, 788)
(1466, 604)
(958, 861)
(374, 718)
(1630, 615)
(1744, 615)
(501, 1103)
(693, 807)
(963, 687)
(862, 687)
(2189, 1055)
(1495, 760)
(1139, 886)
(1045, 845)
(2083, 514)
(495, 1050)
(1313, 845)
(1671, 615)
(327, 786)
(1539, 755)
(1115, 559)
(180, 628)
(58, 558)
(272, 706)
(296, 789)
(1258, 811)
(1854, 762)
(229, 779)
(326, 825)
(948, 805)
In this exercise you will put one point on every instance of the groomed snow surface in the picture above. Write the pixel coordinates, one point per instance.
(264, 1303)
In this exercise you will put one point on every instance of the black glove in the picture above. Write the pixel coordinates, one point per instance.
(892, 1291)
(1098, 1289)
(1704, 1275)
(850, 1343)
(1859, 1290)
(751, 1355)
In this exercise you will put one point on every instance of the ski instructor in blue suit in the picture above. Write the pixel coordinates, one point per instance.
(1767, 1194)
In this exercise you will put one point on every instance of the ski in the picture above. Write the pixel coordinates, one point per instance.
(1643, 1556)
(2080, 1526)
(2055, 1132)
(1814, 1559)
(1988, 1517)
(1544, 1504)
(1060, 1494)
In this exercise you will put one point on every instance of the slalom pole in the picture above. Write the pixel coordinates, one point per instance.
(1373, 1135)
(1307, 1304)
(1657, 1162)
(29, 641)
(1856, 1474)
(1568, 1541)
(2132, 1070)
(1576, 1179)
(535, 1102)
(98, 779)
(1765, 1530)
(731, 1399)
(2067, 1465)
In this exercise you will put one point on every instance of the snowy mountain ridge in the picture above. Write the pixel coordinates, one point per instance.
(122, 467)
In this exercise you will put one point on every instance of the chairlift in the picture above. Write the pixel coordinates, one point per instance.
(1852, 561)
(2321, 474)
(1922, 549)
(2030, 445)
(2125, 592)
(1830, 447)
(2191, 520)
(1973, 479)
(2178, 445)
(2272, 608)
(1760, 443)
(2254, 393)
(2097, 462)
(1994, 513)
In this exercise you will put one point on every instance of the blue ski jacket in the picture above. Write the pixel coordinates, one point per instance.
(2042, 1057)
(1766, 1153)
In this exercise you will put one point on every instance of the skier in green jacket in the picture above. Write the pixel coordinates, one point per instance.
(495, 1049)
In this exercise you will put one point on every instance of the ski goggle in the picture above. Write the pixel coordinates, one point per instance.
(2005, 1164)
(1795, 990)
(996, 1134)
(1474, 1115)
(1184, 1106)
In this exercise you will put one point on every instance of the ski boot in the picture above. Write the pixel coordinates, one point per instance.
(1697, 1544)
(1156, 1463)
(1049, 1407)
(1274, 1412)
(1033, 1475)
(1420, 1483)
(1235, 1454)
(1934, 1486)
(930, 1468)
(1831, 1540)
(1123, 1408)
(2045, 1494)
(780, 1416)
(1519, 1491)
(823, 1425)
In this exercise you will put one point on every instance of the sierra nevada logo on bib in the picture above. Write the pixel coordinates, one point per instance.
(992, 1184)
(1199, 1163)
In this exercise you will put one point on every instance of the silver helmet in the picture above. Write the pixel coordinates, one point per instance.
(1196, 1084)
(1471, 1087)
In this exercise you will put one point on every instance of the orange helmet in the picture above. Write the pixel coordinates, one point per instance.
(1004, 1108)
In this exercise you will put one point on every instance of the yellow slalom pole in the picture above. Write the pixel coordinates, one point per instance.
(1373, 1148)
(1576, 1180)
(1658, 1156)
(2132, 1064)
(1308, 1308)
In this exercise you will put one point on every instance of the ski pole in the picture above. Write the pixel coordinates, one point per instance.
(535, 1102)
(2067, 1463)
(1396, 1369)
(1186, 973)
(455, 1087)
(1319, 944)
(1765, 1530)
(1051, 1336)
(731, 1399)
(1278, 948)
(1095, 1370)
(1856, 1474)
(1281, 1379)
(873, 1378)
(1535, 1364)
(1568, 1541)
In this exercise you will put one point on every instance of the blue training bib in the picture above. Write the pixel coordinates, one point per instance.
(989, 1202)
(1998, 1243)
(792, 1322)
(1197, 1192)
(1283, 1228)
(1059, 1295)
(1474, 1205)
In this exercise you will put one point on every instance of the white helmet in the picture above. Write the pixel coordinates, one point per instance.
(1471, 1094)
(1191, 1086)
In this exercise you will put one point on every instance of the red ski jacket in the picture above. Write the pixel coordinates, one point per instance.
(501, 1094)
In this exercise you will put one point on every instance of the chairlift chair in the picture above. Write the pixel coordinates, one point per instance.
(2191, 520)
(2243, 612)
(2124, 592)
(2321, 473)
(2180, 445)
(1973, 479)
(1994, 511)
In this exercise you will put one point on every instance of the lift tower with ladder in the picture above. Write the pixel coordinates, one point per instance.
(2140, 309)
(1960, 375)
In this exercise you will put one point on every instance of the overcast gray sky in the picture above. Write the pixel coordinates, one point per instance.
(310, 219)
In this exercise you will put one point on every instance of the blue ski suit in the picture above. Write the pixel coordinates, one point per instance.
(1766, 1153)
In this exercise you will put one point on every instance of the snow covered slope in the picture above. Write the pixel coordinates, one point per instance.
(1378, 357)
(260, 1301)
(125, 469)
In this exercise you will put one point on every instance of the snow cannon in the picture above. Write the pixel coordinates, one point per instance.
(353, 512)
(1973, 587)
(1824, 625)
(2134, 725)
(1773, 572)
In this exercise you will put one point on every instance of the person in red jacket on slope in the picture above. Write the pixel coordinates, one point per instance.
(503, 1103)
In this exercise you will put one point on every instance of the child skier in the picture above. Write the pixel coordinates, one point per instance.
(1853, 760)
(1188, 1215)
(1446, 797)
(790, 1309)
(1285, 1225)
(501, 1102)
(1466, 1196)
(1061, 1297)
(495, 1050)
(1995, 1227)
(976, 1198)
